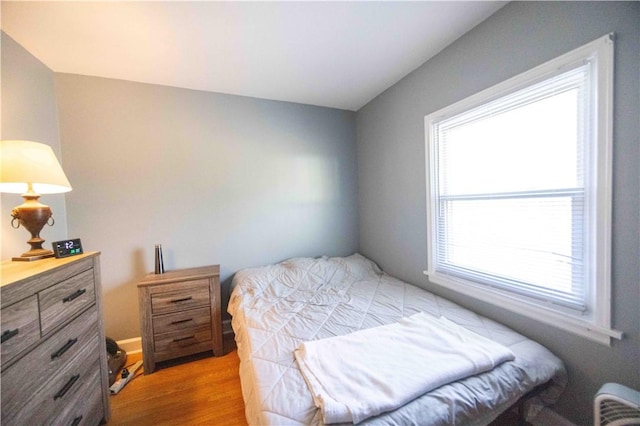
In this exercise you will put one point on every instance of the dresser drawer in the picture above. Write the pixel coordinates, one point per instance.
(178, 297)
(185, 320)
(24, 378)
(61, 302)
(20, 327)
(86, 407)
(55, 396)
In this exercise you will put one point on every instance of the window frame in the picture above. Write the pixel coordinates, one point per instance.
(595, 324)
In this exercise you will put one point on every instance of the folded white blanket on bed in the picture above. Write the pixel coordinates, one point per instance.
(371, 371)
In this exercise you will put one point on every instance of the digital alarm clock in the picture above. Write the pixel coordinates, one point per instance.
(66, 248)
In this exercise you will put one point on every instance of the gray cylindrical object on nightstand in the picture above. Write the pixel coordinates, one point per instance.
(159, 261)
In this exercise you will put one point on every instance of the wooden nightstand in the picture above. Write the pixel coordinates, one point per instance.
(180, 314)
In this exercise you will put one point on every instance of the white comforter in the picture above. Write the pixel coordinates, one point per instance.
(278, 307)
(368, 372)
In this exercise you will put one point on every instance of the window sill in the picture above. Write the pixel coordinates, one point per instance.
(573, 324)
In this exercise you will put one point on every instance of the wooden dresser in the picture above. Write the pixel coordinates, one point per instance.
(54, 362)
(180, 314)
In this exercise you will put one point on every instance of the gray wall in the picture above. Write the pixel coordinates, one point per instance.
(214, 178)
(391, 168)
(28, 112)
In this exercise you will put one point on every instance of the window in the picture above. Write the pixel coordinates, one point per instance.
(519, 192)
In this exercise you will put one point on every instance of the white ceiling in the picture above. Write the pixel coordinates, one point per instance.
(334, 54)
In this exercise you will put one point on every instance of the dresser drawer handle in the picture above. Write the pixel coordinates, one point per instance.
(76, 421)
(184, 299)
(63, 349)
(9, 334)
(75, 295)
(62, 392)
(181, 321)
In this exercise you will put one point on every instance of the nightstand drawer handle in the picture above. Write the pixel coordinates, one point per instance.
(63, 349)
(181, 321)
(9, 334)
(184, 299)
(75, 295)
(184, 338)
(62, 392)
(76, 421)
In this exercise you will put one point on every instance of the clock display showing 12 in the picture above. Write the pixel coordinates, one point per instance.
(67, 248)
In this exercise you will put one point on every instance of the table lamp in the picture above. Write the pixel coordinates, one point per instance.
(31, 169)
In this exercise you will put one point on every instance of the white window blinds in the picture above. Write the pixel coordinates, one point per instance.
(510, 192)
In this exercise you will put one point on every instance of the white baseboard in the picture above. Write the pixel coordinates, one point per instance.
(134, 345)
(548, 417)
(131, 346)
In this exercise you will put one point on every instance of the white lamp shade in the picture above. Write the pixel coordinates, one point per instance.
(25, 162)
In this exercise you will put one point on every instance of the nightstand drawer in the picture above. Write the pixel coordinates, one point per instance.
(183, 342)
(190, 319)
(47, 359)
(62, 301)
(178, 297)
(20, 327)
(52, 398)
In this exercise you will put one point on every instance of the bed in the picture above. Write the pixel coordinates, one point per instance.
(276, 308)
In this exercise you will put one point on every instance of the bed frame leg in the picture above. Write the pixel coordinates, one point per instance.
(522, 414)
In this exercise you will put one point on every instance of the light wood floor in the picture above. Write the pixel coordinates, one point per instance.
(203, 391)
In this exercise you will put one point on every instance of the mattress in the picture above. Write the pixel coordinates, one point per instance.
(275, 308)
